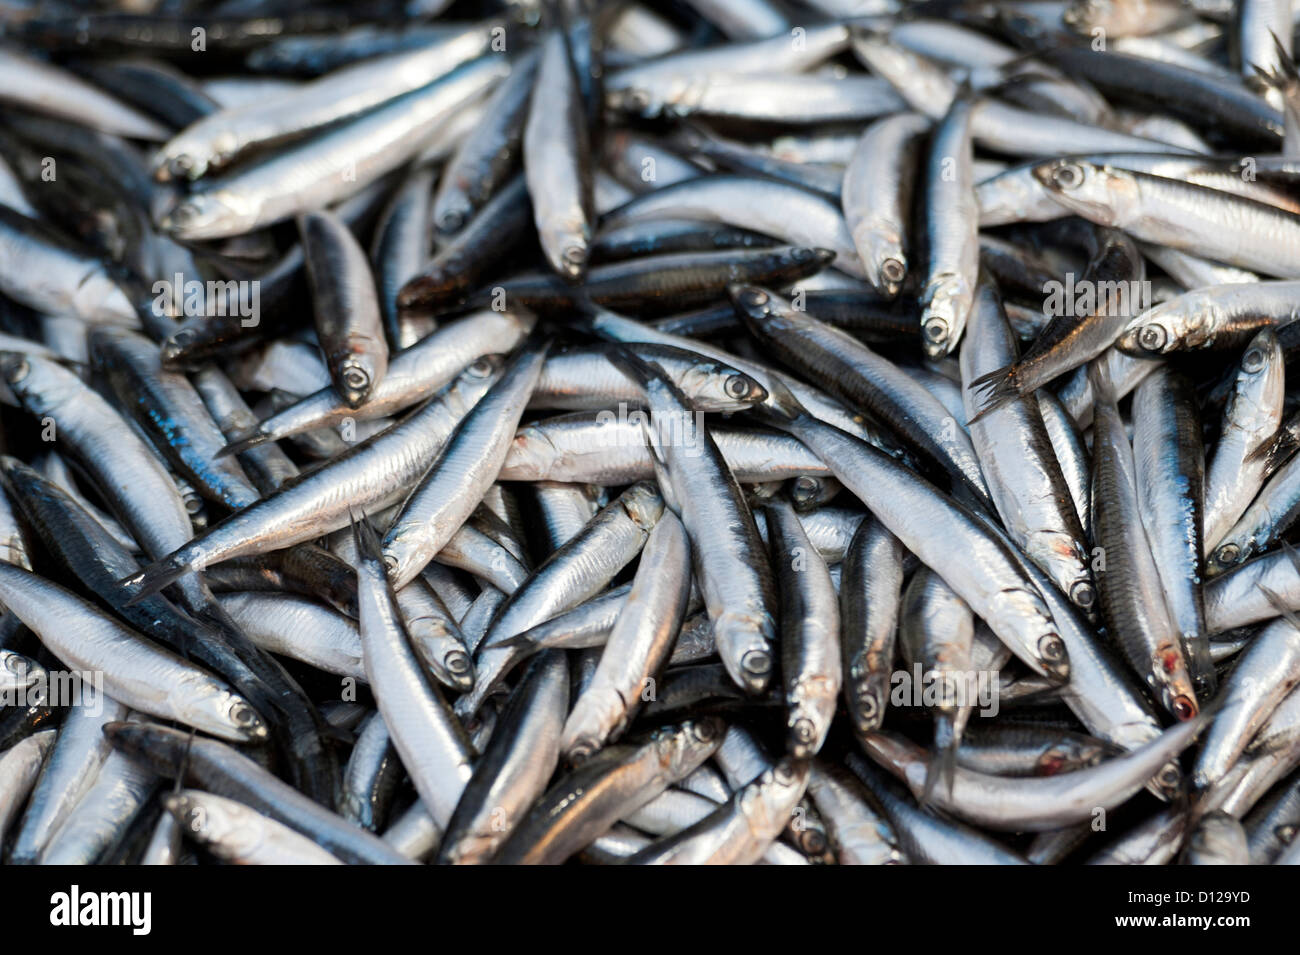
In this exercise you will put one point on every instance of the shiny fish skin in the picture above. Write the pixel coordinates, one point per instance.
(413, 374)
(346, 306)
(1169, 462)
(585, 803)
(241, 835)
(786, 212)
(332, 166)
(449, 491)
(1131, 597)
(592, 433)
(380, 468)
(1019, 462)
(557, 159)
(810, 632)
(639, 643)
(149, 679)
(514, 769)
(222, 770)
(903, 502)
(871, 586)
(1036, 804)
(429, 738)
(876, 195)
(952, 224)
(736, 579)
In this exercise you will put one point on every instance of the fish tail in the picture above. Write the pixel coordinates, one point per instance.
(247, 441)
(997, 388)
(1275, 451)
(942, 766)
(155, 577)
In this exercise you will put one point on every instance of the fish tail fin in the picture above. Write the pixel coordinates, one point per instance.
(367, 541)
(942, 767)
(245, 442)
(155, 577)
(1276, 450)
(999, 387)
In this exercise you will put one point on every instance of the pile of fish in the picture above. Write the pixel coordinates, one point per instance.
(708, 431)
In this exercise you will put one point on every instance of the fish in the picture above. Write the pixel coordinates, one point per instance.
(846, 432)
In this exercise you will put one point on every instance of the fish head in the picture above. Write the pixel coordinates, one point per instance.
(216, 709)
(208, 215)
(192, 155)
(16, 671)
(682, 747)
(948, 302)
(1154, 332)
(40, 384)
(882, 254)
(769, 802)
(1098, 193)
(213, 820)
(1174, 683)
(711, 385)
(1259, 390)
(636, 100)
(1169, 782)
(1067, 754)
(1083, 15)
(1227, 555)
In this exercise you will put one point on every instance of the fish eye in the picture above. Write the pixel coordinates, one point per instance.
(736, 386)
(1082, 594)
(1184, 708)
(1051, 648)
(1227, 555)
(18, 371)
(480, 369)
(186, 212)
(803, 730)
(451, 220)
(705, 731)
(892, 270)
(1170, 776)
(456, 662)
(1152, 337)
(783, 772)
(1253, 360)
(243, 714)
(355, 377)
(1068, 175)
(869, 706)
(936, 331)
(756, 662)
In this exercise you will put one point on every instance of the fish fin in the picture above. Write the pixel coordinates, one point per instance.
(155, 577)
(1292, 554)
(1280, 606)
(999, 387)
(246, 441)
(1284, 59)
(368, 545)
(633, 365)
(942, 766)
(781, 406)
(1099, 378)
(1276, 450)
